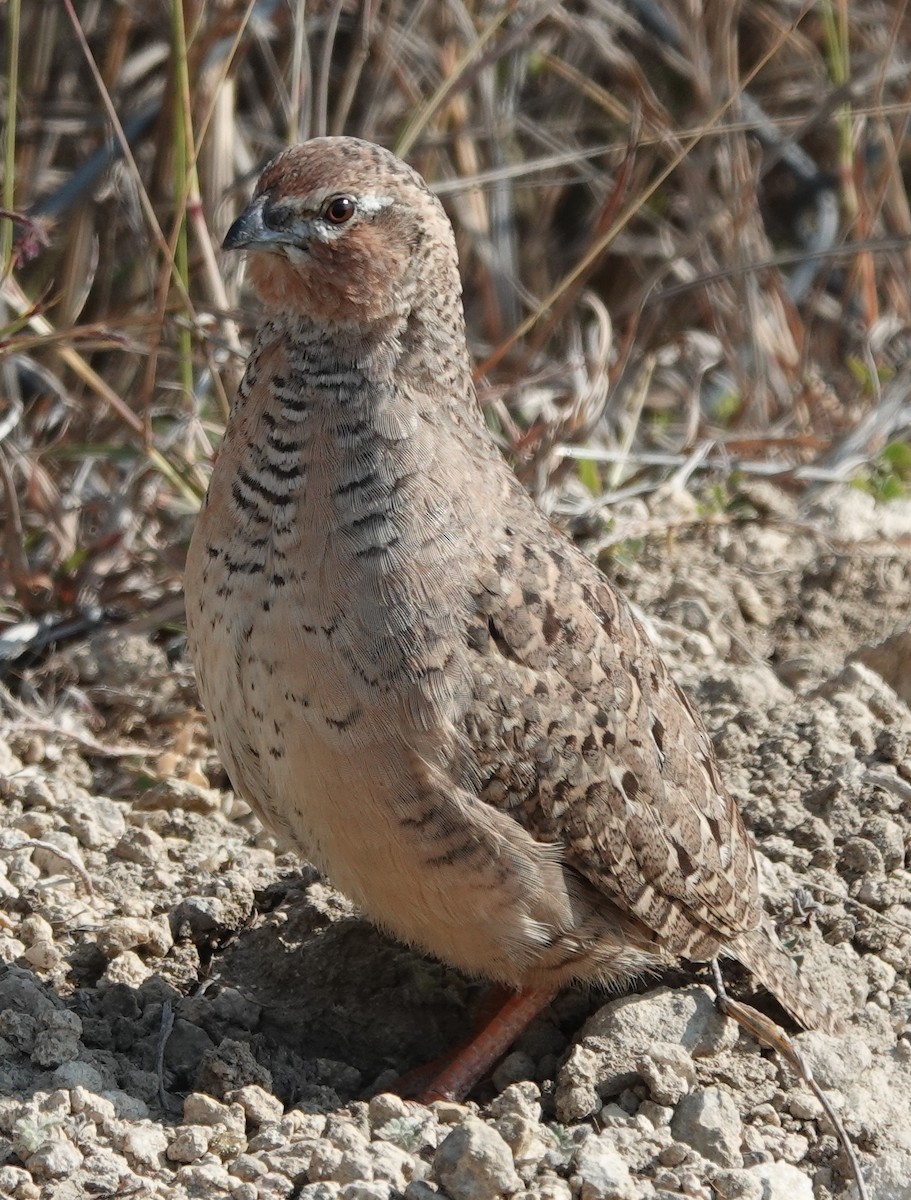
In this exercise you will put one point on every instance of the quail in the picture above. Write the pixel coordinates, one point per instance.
(411, 675)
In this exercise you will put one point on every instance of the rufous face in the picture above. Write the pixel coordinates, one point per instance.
(337, 228)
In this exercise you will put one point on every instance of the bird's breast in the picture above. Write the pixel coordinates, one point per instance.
(323, 610)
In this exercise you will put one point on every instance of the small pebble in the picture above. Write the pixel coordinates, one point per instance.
(260, 1106)
(708, 1120)
(141, 846)
(474, 1163)
(144, 1142)
(191, 1143)
(57, 1158)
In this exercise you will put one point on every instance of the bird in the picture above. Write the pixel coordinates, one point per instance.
(412, 676)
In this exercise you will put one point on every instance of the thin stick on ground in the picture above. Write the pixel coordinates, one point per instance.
(769, 1034)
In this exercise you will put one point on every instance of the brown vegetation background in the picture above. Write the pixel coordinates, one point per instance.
(683, 230)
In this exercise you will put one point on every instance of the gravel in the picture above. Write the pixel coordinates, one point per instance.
(188, 1011)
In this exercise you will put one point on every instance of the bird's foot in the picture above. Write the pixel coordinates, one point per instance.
(453, 1075)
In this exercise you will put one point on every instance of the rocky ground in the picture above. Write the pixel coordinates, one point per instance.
(186, 1011)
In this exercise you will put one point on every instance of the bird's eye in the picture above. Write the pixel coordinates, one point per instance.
(340, 210)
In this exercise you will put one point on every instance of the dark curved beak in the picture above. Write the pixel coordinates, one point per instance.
(248, 229)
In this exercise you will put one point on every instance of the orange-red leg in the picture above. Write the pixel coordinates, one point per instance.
(475, 1058)
(413, 1083)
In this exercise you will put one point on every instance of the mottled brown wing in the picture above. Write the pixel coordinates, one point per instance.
(581, 734)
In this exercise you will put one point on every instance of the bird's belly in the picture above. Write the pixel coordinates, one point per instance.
(346, 768)
(311, 752)
(346, 811)
(281, 713)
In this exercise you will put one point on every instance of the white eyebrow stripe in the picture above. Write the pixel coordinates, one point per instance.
(371, 203)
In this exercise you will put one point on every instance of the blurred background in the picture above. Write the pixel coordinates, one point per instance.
(683, 231)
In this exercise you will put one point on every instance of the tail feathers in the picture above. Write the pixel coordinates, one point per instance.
(764, 956)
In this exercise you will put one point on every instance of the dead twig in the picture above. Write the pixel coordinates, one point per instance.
(769, 1034)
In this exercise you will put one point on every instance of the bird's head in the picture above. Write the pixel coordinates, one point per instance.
(345, 234)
